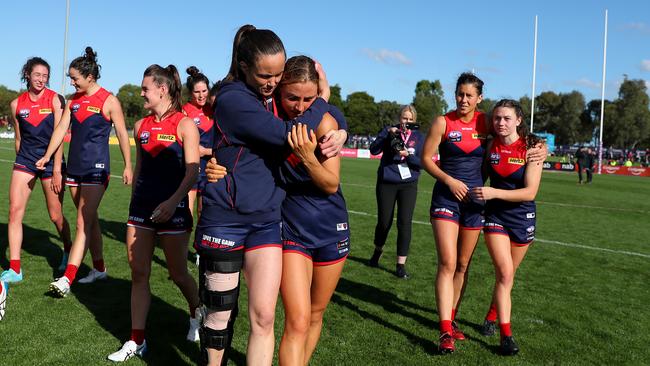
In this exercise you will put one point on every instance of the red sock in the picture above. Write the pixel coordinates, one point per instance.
(137, 336)
(453, 314)
(492, 313)
(445, 326)
(67, 247)
(99, 265)
(15, 265)
(70, 272)
(504, 328)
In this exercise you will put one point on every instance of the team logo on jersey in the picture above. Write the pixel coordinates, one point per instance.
(75, 107)
(99, 166)
(144, 137)
(516, 161)
(197, 121)
(23, 113)
(163, 137)
(494, 158)
(455, 136)
(530, 229)
(45, 111)
(342, 226)
(530, 215)
(93, 109)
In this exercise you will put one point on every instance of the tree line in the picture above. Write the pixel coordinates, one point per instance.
(566, 115)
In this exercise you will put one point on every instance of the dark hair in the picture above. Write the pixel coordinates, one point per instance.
(299, 69)
(470, 78)
(522, 129)
(167, 76)
(195, 77)
(29, 66)
(249, 44)
(87, 64)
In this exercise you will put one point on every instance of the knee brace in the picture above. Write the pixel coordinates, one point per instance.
(219, 262)
(215, 339)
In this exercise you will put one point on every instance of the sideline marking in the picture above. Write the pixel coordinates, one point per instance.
(572, 245)
(428, 193)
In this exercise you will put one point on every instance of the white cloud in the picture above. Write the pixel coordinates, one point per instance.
(584, 82)
(645, 65)
(637, 26)
(387, 56)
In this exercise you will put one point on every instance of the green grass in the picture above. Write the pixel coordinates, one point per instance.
(571, 304)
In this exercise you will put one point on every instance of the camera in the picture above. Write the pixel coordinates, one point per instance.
(396, 142)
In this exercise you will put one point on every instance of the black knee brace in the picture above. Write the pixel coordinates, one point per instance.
(219, 262)
(215, 339)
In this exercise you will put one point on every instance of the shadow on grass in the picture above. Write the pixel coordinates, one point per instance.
(110, 302)
(36, 242)
(391, 304)
(366, 262)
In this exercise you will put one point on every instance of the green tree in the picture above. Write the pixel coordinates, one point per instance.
(429, 101)
(361, 113)
(486, 106)
(632, 124)
(6, 96)
(525, 103)
(546, 111)
(388, 113)
(568, 127)
(335, 97)
(132, 103)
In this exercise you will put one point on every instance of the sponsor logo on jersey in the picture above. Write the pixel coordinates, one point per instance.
(163, 137)
(455, 136)
(516, 161)
(178, 220)
(156, 128)
(23, 113)
(443, 211)
(197, 121)
(144, 137)
(136, 219)
(342, 226)
(466, 128)
(530, 215)
(530, 229)
(99, 166)
(478, 136)
(493, 225)
(93, 109)
(75, 107)
(45, 111)
(214, 242)
(494, 158)
(343, 246)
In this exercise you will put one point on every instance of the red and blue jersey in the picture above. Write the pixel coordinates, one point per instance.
(90, 129)
(310, 216)
(162, 162)
(202, 117)
(462, 148)
(507, 170)
(35, 123)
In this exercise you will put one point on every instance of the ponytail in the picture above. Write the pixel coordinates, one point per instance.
(87, 64)
(167, 76)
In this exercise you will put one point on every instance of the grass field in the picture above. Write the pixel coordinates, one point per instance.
(581, 296)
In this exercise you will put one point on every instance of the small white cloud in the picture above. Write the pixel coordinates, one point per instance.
(584, 82)
(638, 27)
(645, 65)
(387, 56)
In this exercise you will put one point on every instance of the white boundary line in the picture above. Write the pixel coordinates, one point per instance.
(571, 245)
(428, 193)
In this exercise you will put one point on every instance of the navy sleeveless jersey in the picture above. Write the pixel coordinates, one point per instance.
(462, 148)
(90, 130)
(310, 216)
(507, 169)
(36, 124)
(162, 163)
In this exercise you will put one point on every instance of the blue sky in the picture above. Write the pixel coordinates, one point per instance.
(383, 48)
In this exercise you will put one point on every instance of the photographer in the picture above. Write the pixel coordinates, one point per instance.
(397, 181)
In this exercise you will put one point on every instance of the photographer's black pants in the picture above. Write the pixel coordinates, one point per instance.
(405, 195)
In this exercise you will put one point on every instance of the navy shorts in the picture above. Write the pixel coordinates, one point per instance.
(28, 166)
(323, 256)
(100, 178)
(444, 206)
(519, 235)
(180, 222)
(234, 236)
